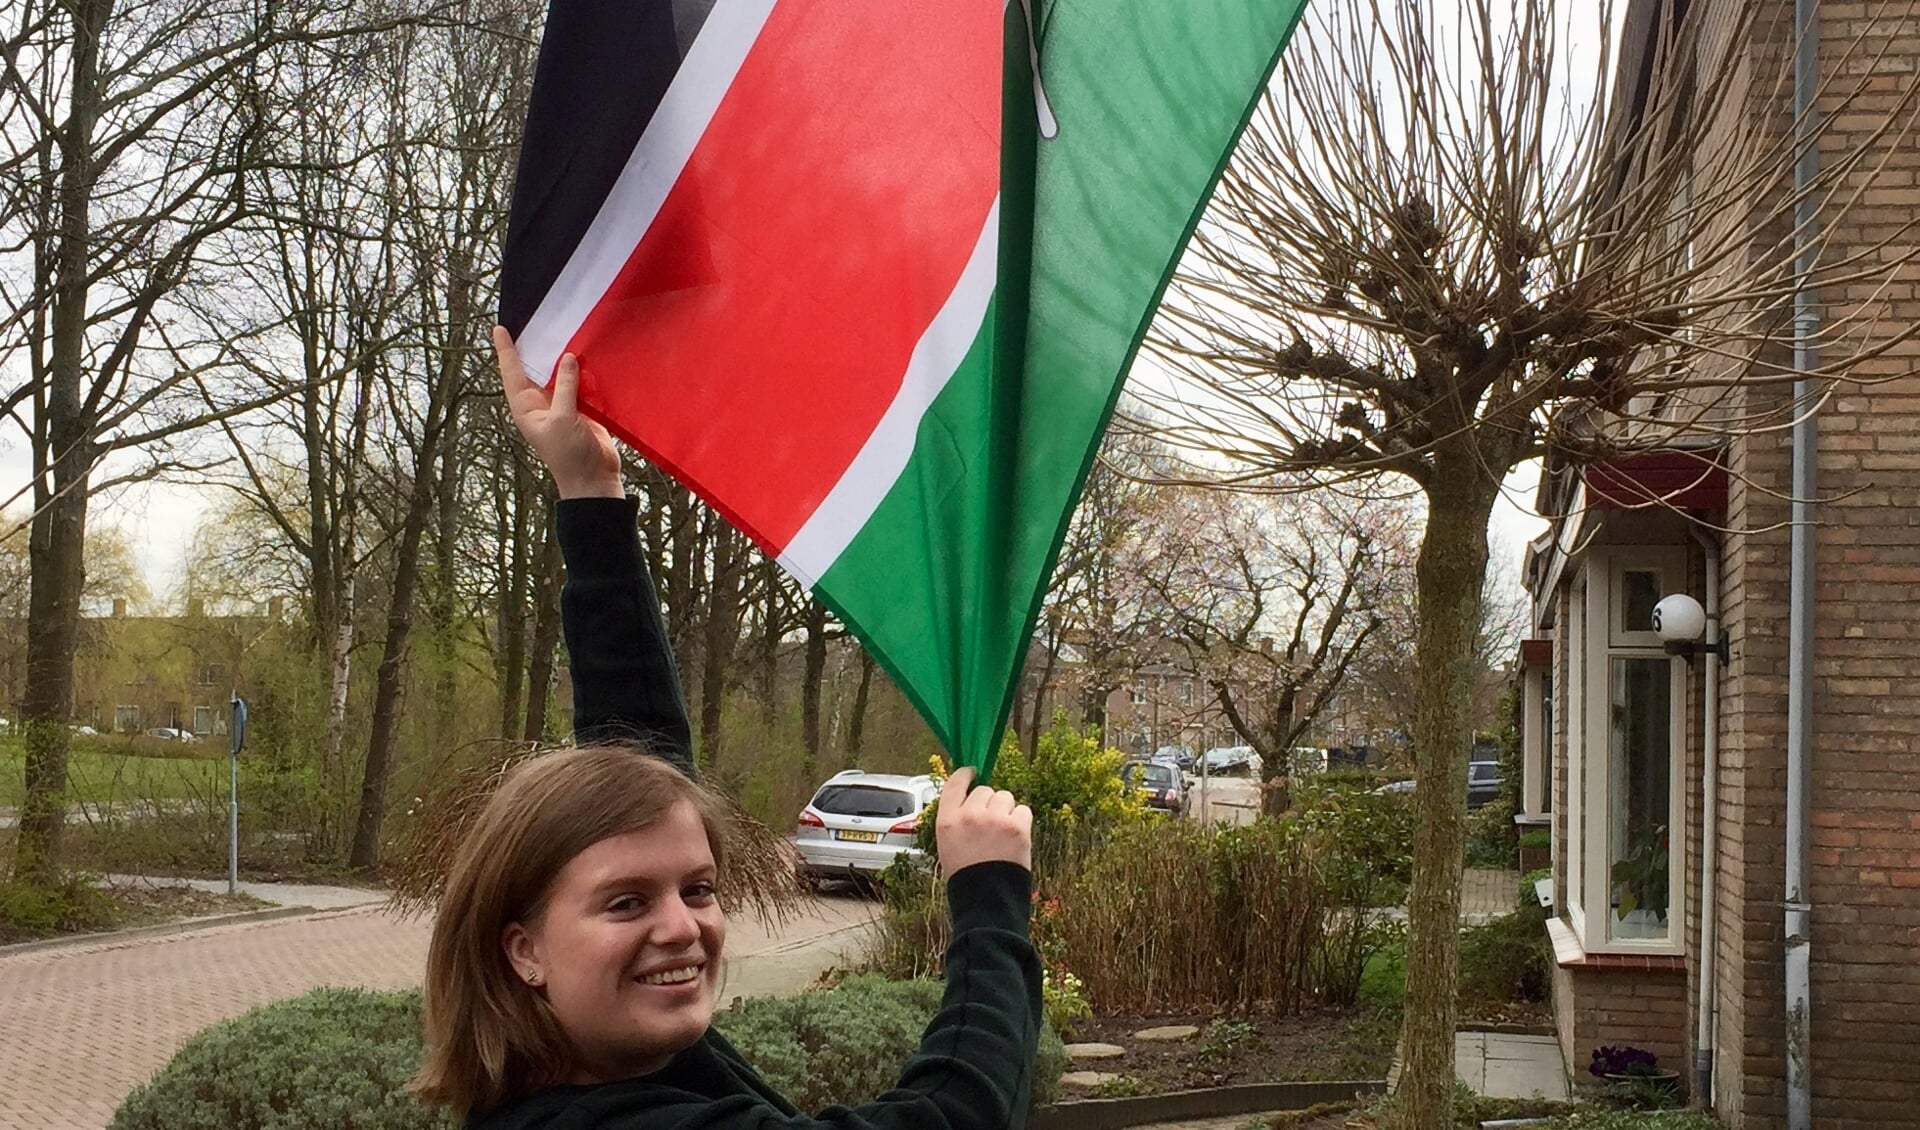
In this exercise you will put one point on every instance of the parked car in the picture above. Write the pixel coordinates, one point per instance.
(170, 734)
(1392, 787)
(1179, 756)
(84, 731)
(1158, 783)
(1230, 759)
(1483, 782)
(858, 823)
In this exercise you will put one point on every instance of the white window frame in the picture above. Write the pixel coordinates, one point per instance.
(1536, 764)
(1576, 692)
(1590, 844)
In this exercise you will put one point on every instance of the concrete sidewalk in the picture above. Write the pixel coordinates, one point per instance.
(1504, 1065)
(314, 896)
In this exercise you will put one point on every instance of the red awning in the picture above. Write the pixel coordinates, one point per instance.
(1684, 480)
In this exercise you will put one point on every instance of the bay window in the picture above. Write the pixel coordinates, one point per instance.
(1626, 740)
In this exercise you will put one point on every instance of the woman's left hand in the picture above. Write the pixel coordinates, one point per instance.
(578, 452)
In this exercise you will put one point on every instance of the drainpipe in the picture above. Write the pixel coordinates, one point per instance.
(1806, 437)
(1706, 1007)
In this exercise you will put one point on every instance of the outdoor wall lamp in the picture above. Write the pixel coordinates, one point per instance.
(1681, 622)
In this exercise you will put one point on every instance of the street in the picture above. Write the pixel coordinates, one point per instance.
(87, 1023)
(1229, 800)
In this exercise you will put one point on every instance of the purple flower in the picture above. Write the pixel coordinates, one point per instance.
(1622, 1060)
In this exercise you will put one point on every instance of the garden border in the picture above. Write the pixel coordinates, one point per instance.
(158, 929)
(1210, 1102)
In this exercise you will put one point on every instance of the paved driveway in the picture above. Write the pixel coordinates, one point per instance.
(81, 1026)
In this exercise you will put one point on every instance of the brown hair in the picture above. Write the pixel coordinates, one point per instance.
(489, 1036)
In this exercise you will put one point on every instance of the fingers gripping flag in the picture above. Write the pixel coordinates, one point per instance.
(866, 275)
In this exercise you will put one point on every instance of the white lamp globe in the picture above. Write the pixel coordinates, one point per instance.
(1679, 618)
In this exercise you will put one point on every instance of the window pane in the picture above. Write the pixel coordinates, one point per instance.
(1639, 592)
(1546, 742)
(1640, 763)
(864, 800)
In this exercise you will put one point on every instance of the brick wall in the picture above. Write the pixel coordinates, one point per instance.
(1865, 877)
(1597, 1006)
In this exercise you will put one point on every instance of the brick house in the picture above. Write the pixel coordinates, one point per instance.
(133, 673)
(1621, 738)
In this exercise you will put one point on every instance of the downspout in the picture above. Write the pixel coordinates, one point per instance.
(1806, 438)
(1706, 1008)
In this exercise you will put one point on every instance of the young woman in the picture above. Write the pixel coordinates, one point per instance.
(578, 947)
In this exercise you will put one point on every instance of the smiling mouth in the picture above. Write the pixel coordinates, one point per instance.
(679, 976)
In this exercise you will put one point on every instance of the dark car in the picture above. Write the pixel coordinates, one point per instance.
(1483, 782)
(1158, 783)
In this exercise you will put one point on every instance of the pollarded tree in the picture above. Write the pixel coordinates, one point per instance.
(1442, 251)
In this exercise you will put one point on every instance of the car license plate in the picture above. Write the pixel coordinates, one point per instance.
(858, 837)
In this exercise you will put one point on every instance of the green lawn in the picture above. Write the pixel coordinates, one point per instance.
(114, 771)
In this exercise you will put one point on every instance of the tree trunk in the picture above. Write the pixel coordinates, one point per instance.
(444, 599)
(387, 686)
(1276, 770)
(56, 549)
(857, 725)
(816, 666)
(371, 814)
(1037, 715)
(53, 620)
(546, 632)
(332, 773)
(515, 568)
(722, 632)
(1450, 573)
(773, 626)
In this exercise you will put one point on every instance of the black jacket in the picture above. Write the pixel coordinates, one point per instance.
(974, 1068)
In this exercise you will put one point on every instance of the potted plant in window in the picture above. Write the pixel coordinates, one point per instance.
(1640, 885)
(1635, 1078)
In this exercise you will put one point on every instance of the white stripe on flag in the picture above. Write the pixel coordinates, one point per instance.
(941, 348)
(658, 159)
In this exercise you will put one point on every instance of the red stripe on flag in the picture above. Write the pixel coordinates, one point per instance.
(762, 325)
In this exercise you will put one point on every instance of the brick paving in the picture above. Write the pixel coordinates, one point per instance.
(1486, 893)
(81, 1026)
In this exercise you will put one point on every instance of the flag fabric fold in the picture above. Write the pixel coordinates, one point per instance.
(866, 276)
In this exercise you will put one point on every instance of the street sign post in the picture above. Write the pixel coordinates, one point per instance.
(236, 738)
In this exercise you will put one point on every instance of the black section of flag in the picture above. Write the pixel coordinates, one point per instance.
(604, 66)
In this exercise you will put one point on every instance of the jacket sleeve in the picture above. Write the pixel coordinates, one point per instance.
(625, 686)
(974, 1067)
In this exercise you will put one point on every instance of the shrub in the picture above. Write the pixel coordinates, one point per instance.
(1073, 785)
(1170, 915)
(1536, 839)
(73, 905)
(847, 1044)
(334, 1057)
(342, 1058)
(1223, 1037)
(1507, 959)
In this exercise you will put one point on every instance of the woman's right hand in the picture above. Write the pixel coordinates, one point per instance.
(578, 452)
(981, 825)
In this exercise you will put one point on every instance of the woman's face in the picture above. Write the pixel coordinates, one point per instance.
(627, 950)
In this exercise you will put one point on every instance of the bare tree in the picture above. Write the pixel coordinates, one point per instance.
(1274, 602)
(472, 79)
(128, 129)
(1441, 252)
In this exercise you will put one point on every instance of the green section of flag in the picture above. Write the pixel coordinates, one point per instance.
(944, 581)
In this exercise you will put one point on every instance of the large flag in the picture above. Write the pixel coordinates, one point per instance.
(867, 274)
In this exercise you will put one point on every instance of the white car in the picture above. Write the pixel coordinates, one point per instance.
(168, 733)
(858, 823)
(1231, 759)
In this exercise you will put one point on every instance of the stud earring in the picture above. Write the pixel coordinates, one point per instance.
(533, 977)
